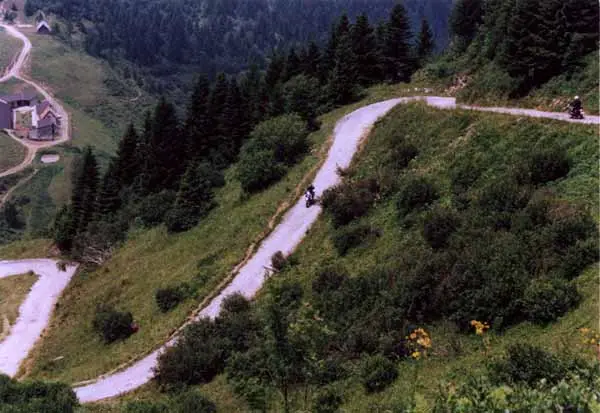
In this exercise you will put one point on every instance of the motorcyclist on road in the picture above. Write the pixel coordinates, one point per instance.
(576, 106)
(310, 194)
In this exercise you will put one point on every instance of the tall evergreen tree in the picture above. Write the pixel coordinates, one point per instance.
(466, 16)
(64, 230)
(126, 166)
(341, 29)
(109, 201)
(292, 66)
(234, 121)
(398, 63)
(216, 108)
(364, 47)
(144, 157)
(197, 124)
(83, 199)
(342, 85)
(311, 60)
(166, 147)
(425, 43)
(275, 69)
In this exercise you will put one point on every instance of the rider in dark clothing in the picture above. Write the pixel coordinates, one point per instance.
(310, 193)
(576, 104)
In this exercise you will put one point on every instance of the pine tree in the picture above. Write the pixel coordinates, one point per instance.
(83, 199)
(275, 69)
(466, 16)
(311, 60)
(364, 47)
(216, 108)
(144, 158)
(234, 121)
(194, 198)
(64, 231)
(341, 29)
(425, 43)
(398, 62)
(197, 125)
(126, 166)
(292, 66)
(342, 83)
(109, 200)
(167, 149)
(581, 25)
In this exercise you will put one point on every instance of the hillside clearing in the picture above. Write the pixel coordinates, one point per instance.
(9, 46)
(12, 153)
(13, 291)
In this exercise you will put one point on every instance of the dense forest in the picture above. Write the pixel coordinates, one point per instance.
(216, 35)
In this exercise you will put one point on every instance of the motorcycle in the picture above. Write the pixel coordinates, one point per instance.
(575, 113)
(310, 199)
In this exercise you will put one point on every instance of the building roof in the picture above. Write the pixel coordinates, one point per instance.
(41, 24)
(5, 116)
(27, 95)
(41, 107)
(46, 122)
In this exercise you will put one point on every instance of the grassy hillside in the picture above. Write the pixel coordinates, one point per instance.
(12, 152)
(13, 291)
(442, 138)
(9, 46)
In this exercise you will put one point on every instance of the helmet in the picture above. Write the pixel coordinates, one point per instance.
(577, 97)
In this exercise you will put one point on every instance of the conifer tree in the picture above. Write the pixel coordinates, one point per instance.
(341, 29)
(194, 198)
(197, 124)
(83, 199)
(342, 82)
(311, 60)
(275, 69)
(255, 95)
(466, 16)
(234, 121)
(398, 64)
(364, 47)
(109, 201)
(126, 166)
(64, 230)
(144, 158)
(292, 66)
(216, 108)
(425, 43)
(166, 147)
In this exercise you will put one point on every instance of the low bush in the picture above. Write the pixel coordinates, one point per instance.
(439, 225)
(153, 208)
(257, 170)
(548, 165)
(278, 261)
(378, 373)
(346, 238)
(415, 194)
(112, 325)
(349, 200)
(185, 402)
(547, 299)
(169, 297)
(328, 400)
(33, 397)
(525, 363)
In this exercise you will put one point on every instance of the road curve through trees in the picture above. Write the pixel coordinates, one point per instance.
(285, 237)
(15, 70)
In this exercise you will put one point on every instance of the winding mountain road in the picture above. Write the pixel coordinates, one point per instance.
(36, 310)
(15, 71)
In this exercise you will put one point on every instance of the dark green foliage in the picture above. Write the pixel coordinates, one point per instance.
(301, 95)
(11, 216)
(439, 225)
(112, 325)
(152, 209)
(397, 54)
(466, 16)
(415, 194)
(274, 145)
(64, 230)
(548, 165)
(377, 373)
(126, 165)
(546, 300)
(169, 297)
(349, 237)
(343, 77)
(525, 363)
(425, 43)
(366, 52)
(194, 199)
(33, 397)
(197, 122)
(179, 402)
(109, 200)
(327, 400)
(83, 200)
(349, 200)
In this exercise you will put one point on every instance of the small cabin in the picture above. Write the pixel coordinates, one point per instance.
(43, 28)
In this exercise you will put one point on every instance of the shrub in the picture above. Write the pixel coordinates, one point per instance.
(577, 257)
(153, 208)
(257, 170)
(328, 400)
(439, 225)
(548, 165)
(525, 363)
(278, 261)
(401, 155)
(378, 373)
(415, 194)
(169, 297)
(112, 325)
(192, 401)
(346, 238)
(36, 397)
(546, 300)
(349, 200)
(197, 357)
(504, 195)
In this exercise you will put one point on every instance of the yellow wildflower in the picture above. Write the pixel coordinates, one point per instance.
(416, 355)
